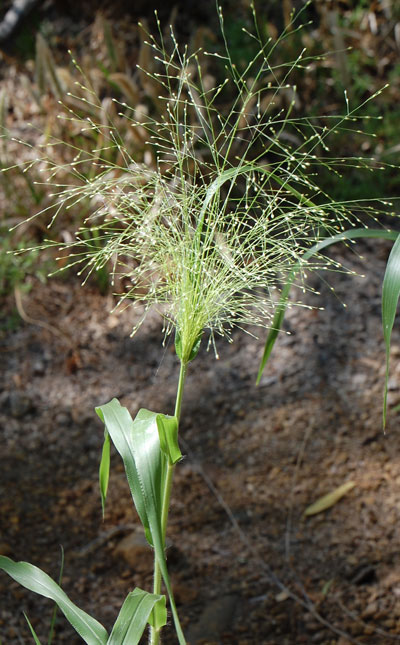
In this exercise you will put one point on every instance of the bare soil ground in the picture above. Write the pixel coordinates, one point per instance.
(247, 567)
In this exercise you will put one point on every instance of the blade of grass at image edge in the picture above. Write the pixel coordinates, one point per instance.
(390, 294)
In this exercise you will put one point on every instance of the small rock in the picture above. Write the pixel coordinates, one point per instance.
(135, 550)
(38, 368)
(63, 419)
(216, 618)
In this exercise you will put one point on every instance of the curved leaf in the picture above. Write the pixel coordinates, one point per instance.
(390, 299)
(104, 470)
(119, 425)
(54, 614)
(168, 434)
(281, 307)
(330, 499)
(138, 443)
(139, 608)
(34, 579)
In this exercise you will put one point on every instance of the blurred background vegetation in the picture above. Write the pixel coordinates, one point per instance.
(353, 46)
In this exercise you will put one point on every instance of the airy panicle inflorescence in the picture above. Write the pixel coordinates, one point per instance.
(227, 202)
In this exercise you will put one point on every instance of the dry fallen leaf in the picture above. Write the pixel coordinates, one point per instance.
(329, 500)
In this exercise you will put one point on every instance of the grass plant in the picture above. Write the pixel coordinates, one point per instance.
(213, 231)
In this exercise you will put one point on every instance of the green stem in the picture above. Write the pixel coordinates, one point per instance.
(179, 394)
(155, 634)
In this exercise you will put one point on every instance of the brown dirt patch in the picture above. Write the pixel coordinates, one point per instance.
(262, 454)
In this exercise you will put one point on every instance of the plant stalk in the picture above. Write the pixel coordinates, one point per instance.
(154, 633)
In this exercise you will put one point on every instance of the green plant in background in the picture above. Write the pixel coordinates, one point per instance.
(14, 269)
(64, 107)
(229, 215)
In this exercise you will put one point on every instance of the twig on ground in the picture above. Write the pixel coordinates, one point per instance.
(40, 323)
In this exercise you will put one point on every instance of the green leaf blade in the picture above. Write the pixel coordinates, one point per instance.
(138, 443)
(119, 425)
(168, 434)
(276, 324)
(34, 634)
(139, 609)
(36, 580)
(104, 471)
(390, 299)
